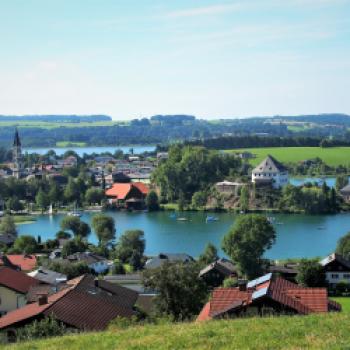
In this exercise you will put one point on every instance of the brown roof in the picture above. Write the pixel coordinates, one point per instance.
(121, 190)
(83, 305)
(16, 280)
(286, 293)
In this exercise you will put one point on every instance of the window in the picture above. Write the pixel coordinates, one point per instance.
(334, 275)
(346, 275)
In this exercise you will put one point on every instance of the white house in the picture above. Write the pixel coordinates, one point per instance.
(336, 269)
(95, 262)
(270, 171)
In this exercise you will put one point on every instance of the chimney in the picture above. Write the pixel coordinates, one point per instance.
(242, 285)
(43, 299)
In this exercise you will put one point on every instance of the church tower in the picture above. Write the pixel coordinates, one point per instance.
(17, 156)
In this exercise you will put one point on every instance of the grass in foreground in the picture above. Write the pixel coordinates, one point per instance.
(332, 156)
(327, 331)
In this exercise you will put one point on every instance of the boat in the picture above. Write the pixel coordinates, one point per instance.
(321, 228)
(271, 219)
(50, 210)
(210, 218)
(74, 213)
(182, 219)
(279, 223)
(173, 216)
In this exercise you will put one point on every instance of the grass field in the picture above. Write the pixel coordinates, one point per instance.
(327, 331)
(47, 125)
(344, 302)
(332, 156)
(70, 144)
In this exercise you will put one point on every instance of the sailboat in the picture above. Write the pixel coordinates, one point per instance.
(50, 210)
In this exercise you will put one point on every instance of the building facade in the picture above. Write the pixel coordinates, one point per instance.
(270, 171)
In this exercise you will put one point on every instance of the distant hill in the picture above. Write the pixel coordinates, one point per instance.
(53, 118)
(331, 118)
(326, 331)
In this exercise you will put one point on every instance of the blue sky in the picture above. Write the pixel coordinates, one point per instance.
(133, 58)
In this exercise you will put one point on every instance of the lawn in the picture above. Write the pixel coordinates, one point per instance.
(326, 331)
(344, 302)
(332, 156)
(70, 144)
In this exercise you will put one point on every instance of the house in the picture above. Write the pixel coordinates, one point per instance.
(228, 187)
(47, 276)
(162, 258)
(270, 171)
(85, 304)
(287, 271)
(215, 273)
(267, 295)
(97, 263)
(14, 286)
(245, 155)
(336, 269)
(24, 262)
(128, 195)
(345, 193)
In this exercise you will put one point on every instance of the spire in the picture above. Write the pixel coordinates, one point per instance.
(16, 140)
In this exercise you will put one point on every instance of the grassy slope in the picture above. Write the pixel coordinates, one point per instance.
(328, 331)
(331, 156)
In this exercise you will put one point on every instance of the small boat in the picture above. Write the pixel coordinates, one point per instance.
(321, 228)
(74, 213)
(182, 219)
(173, 216)
(271, 219)
(279, 223)
(50, 210)
(211, 218)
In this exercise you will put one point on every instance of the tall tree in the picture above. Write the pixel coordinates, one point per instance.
(310, 274)
(130, 241)
(104, 228)
(343, 246)
(152, 201)
(247, 241)
(209, 255)
(74, 224)
(181, 293)
(25, 245)
(7, 226)
(42, 200)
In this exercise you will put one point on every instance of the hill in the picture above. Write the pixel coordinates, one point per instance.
(328, 331)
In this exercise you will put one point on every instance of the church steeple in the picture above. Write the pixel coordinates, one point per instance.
(16, 140)
(17, 155)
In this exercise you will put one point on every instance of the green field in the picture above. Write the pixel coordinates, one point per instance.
(70, 144)
(332, 156)
(344, 302)
(327, 331)
(47, 125)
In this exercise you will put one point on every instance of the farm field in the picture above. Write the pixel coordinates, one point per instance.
(47, 125)
(322, 331)
(332, 156)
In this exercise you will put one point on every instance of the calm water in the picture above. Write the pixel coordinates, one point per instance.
(297, 235)
(88, 150)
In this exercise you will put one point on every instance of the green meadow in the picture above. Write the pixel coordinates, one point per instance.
(318, 332)
(332, 156)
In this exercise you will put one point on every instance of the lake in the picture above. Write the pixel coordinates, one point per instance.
(297, 235)
(138, 149)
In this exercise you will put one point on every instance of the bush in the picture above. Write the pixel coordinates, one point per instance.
(230, 282)
(48, 327)
(342, 287)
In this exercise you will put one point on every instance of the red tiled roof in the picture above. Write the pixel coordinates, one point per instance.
(142, 187)
(119, 190)
(286, 293)
(25, 262)
(29, 311)
(16, 280)
(82, 305)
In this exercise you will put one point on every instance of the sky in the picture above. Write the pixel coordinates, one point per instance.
(137, 58)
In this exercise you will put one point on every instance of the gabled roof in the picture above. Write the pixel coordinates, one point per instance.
(88, 257)
(121, 190)
(335, 258)
(24, 261)
(345, 189)
(83, 305)
(270, 164)
(16, 280)
(47, 276)
(285, 293)
(223, 266)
